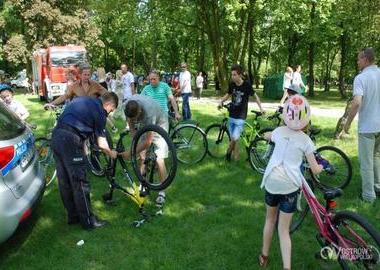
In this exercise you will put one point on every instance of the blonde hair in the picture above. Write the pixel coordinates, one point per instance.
(118, 74)
(101, 74)
(289, 69)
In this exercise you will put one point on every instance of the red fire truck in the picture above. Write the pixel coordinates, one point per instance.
(49, 67)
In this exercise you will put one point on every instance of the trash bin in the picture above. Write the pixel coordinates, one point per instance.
(273, 86)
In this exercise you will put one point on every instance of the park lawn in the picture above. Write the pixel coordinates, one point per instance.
(213, 218)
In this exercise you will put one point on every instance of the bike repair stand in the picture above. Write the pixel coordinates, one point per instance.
(145, 217)
(138, 194)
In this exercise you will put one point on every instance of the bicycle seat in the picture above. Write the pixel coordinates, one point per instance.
(332, 193)
(257, 113)
(314, 131)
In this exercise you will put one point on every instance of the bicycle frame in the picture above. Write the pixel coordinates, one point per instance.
(133, 191)
(323, 219)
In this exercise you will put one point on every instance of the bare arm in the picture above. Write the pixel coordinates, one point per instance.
(133, 90)
(224, 98)
(175, 107)
(258, 101)
(314, 166)
(140, 147)
(103, 145)
(355, 106)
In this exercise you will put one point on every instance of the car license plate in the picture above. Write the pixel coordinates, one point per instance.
(27, 158)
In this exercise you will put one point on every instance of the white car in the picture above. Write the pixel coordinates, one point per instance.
(21, 80)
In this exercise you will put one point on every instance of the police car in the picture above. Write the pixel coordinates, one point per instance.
(21, 179)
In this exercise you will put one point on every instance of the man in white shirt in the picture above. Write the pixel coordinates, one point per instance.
(185, 87)
(366, 101)
(128, 83)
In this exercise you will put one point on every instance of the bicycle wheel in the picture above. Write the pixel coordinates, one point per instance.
(259, 152)
(46, 159)
(156, 166)
(190, 142)
(97, 160)
(218, 140)
(339, 172)
(358, 241)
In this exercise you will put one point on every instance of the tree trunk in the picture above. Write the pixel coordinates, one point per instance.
(240, 35)
(209, 12)
(250, 47)
(343, 61)
(292, 48)
(311, 53)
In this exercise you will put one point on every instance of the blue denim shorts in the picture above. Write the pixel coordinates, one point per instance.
(235, 127)
(287, 202)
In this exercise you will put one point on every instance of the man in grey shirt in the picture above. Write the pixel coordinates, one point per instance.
(141, 111)
(366, 101)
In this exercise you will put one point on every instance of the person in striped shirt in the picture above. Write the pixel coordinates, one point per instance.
(161, 93)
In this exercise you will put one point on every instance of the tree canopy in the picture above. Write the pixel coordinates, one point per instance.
(264, 36)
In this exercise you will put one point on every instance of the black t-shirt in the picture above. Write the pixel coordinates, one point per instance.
(240, 96)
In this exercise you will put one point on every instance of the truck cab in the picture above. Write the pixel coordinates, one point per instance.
(50, 66)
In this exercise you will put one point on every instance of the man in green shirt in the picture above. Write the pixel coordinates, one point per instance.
(161, 93)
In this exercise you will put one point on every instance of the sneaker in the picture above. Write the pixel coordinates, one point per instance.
(114, 129)
(161, 198)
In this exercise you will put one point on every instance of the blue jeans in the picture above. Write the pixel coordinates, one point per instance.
(186, 113)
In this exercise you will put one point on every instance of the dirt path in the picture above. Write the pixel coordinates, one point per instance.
(332, 112)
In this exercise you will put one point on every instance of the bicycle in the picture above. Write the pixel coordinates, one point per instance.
(341, 167)
(148, 175)
(218, 136)
(344, 236)
(43, 149)
(189, 140)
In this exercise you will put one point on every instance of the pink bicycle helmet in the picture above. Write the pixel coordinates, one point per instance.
(296, 113)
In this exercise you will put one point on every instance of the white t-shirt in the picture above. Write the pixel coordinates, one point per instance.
(127, 80)
(290, 148)
(199, 81)
(367, 85)
(297, 79)
(278, 182)
(185, 82)
(288, 76)
(19, 109)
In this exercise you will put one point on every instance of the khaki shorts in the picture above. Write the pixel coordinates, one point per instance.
(161, 146)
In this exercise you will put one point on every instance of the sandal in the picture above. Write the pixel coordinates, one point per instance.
(263, 260)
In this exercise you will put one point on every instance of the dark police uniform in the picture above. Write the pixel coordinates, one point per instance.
(81, 118)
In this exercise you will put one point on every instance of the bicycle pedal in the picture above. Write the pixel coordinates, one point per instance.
(159, 205)
(138, 223)
(110, 202)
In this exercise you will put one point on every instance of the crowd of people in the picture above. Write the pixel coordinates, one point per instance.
(94, 96)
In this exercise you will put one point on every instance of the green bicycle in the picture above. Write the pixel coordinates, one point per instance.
(218, 139)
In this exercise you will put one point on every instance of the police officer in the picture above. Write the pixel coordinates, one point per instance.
(83, 117)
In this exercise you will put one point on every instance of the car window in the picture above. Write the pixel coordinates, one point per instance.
(10, 125)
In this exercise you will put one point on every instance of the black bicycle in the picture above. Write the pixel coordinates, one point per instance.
(155, 168)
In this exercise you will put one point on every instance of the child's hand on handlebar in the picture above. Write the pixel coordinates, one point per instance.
(48, 106)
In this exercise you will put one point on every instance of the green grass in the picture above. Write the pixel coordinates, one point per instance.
(213, 219)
